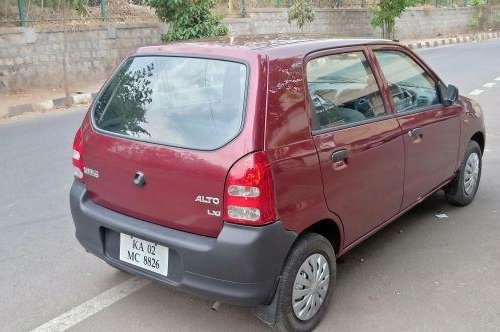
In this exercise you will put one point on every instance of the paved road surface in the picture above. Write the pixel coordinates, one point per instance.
(418, 274)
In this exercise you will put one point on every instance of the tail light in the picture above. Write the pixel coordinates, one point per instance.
(249, 192)
(78, 154)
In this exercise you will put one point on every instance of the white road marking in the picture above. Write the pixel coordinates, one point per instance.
(93, 306)
(489, 85)
(497, 79)
(476, 92)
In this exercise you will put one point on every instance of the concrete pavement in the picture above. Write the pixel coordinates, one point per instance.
(420, 273)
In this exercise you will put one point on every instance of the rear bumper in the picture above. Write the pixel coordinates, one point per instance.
(241, 266)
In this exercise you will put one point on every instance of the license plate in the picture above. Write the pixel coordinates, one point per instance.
(145, 254)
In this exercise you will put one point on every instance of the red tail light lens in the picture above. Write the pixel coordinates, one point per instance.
(78, 154)
(249, 192)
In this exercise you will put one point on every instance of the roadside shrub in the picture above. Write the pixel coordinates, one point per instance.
(386, 12)
(302, 12)
(476, 20)
(188, 19)
(476, 3)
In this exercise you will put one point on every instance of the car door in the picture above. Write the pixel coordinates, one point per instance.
(431, 130)
(358, 141)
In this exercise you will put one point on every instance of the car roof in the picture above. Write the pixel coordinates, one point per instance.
(270, 45)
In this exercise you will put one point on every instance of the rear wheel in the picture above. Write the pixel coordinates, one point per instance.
(462, 190)
(307, 284)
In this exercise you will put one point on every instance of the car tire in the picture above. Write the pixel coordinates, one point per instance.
(310, 247)
(460, 191)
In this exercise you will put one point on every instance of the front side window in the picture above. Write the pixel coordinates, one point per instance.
(411, 86)
(188, 102)
(342, 90)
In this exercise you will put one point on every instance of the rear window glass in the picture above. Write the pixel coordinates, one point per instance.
(187, 102)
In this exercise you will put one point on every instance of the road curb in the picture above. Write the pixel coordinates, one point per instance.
(436, 42)
(49, 105)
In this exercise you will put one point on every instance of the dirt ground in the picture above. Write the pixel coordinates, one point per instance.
(118, 10)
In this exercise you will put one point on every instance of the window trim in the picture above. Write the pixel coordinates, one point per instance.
(378, 79)
(178, 55)
(408, 52)
(315, 132)
(433, 76)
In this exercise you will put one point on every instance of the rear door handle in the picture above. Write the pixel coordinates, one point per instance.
(340, 155)
(415, 133)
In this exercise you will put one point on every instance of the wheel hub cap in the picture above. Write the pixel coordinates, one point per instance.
(471, 173)
(310, 286)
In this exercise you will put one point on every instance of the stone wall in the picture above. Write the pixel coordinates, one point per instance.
(335, 22)
(433, 22)
(414, 23)
(490, 17)
(33, 57)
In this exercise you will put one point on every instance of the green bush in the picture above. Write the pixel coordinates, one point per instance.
(477, 2)
(475, 20)
(302, 12)
(188, 19)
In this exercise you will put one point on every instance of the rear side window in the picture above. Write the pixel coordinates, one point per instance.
(410, 85)
(179, 101)
(342, 90)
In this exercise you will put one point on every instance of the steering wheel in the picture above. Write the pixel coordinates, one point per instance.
(396, 90)
(412, 94)
(324, 109)
(408, 98)
(322, 104)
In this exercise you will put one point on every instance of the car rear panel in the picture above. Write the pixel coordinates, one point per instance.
(183, 187)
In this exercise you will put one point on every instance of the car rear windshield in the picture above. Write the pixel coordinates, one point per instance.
(188, 102)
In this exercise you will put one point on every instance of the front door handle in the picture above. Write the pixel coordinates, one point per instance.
(416, 133)
(340, 155)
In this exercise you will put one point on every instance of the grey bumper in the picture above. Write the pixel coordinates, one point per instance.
(240, 266)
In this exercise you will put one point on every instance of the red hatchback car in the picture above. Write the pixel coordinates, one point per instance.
(239, 170)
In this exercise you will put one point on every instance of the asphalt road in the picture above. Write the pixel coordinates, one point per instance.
(420, 273)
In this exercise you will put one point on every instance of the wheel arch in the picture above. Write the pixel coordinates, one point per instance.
(329, 229)
(479, 138)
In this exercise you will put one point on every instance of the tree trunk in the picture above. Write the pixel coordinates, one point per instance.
(385, 28)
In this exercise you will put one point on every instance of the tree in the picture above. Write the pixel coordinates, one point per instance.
(127, 97)
(302, 12)
(188, 19)
(386, 12)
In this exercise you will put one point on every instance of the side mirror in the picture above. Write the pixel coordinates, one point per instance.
(447, 94)
(452, 93)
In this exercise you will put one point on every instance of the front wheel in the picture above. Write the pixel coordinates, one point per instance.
(462, 190)
(307, 284)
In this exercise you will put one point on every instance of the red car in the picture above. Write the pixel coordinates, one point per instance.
(240, 170)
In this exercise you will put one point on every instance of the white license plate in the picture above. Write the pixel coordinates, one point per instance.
(145, 254)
